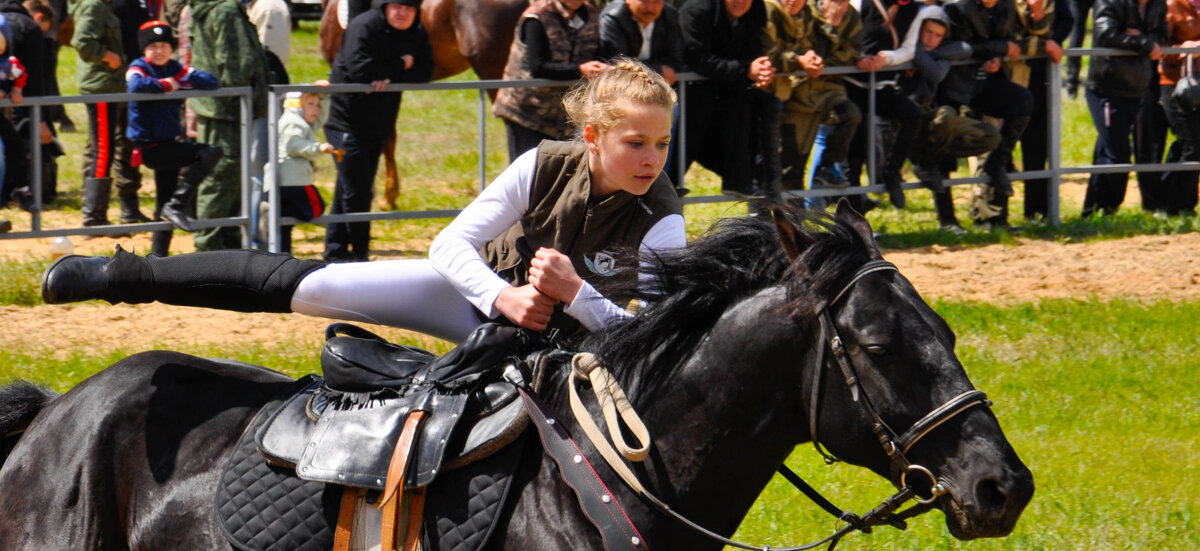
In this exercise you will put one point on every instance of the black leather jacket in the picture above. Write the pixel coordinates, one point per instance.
(620, 35)
(1126, 76)
(718, 47)
(988, 31)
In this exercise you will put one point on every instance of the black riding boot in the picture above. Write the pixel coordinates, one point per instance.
(179, 208)
(160, 242)
(996, 165)
(96, 193)
(130, 212)
(238, 280)
(176, 210)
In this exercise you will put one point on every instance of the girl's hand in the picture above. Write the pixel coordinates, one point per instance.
(525, 306)
(552, 273)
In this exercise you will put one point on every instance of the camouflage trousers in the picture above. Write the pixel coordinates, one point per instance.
(947, 135)
(220, 195)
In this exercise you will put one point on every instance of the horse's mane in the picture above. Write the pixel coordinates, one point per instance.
(695, 285)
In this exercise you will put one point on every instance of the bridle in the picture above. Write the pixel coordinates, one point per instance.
(895, 446)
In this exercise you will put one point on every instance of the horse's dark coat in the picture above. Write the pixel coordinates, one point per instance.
(720, 371)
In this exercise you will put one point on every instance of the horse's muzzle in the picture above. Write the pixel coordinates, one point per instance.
(987, 506)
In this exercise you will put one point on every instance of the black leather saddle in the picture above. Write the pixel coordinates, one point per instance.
(343, 428)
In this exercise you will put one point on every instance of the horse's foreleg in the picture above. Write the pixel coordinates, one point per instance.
(391, 184)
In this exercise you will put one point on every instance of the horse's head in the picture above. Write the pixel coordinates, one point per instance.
(887, 363)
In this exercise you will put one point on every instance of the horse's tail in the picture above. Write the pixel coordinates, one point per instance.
(20, 402)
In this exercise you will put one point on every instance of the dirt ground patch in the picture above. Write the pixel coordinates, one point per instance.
(1144, 267)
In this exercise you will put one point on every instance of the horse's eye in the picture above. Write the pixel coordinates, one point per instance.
(875, 350)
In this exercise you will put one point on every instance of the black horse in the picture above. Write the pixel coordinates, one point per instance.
(722, 370)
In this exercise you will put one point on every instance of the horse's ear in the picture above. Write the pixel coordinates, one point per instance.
(791, 238)
(847, 215)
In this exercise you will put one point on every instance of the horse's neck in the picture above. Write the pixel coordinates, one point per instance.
(733, 414)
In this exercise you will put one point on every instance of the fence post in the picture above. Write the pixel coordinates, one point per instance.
(1054, 112)
(271, 176)
(482, 138)
(35, 143)
(247, 123)
(681, 151)
(872, 130)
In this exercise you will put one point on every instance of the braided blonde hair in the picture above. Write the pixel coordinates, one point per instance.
(601, 101)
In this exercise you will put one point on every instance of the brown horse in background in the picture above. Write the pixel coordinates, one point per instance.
(465, 34)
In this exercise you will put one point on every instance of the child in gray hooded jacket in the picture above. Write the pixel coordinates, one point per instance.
(299, 149)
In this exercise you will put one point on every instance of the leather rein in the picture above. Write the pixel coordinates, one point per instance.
(613, 400)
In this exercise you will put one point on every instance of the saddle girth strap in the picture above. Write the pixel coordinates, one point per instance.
(345, 522)
(416, 507)
(392, 501)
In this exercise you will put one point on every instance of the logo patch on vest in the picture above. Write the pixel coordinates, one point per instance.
(602, 263)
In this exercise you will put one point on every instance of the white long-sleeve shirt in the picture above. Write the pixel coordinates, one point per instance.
(455, 251)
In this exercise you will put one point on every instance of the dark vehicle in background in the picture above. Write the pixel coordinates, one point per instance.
(305, 9)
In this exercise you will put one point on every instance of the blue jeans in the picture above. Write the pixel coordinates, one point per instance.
(814, 161)
(355, 187)
(1114, 119)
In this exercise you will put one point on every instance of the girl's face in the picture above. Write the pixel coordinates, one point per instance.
(158, 53)
(629, 156)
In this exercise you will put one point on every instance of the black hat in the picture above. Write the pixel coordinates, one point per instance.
(156, 31)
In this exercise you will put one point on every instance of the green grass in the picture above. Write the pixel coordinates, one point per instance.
(1097, 397)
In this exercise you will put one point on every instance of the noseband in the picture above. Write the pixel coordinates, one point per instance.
(895, 446)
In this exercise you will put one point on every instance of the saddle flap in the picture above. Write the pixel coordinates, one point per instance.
(282, 437)
(435, 434)
(353, 446)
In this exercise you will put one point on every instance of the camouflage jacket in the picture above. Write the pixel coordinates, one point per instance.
(786, 37)
(97, 31)
(225, 44)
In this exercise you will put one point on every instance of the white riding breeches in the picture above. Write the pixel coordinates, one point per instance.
(406, 293)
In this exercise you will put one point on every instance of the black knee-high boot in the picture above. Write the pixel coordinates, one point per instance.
(238, 280)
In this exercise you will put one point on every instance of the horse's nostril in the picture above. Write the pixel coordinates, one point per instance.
(991, 496)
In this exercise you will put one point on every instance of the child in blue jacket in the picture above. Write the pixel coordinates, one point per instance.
(156, 130)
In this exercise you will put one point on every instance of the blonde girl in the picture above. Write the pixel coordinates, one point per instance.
(527, 249)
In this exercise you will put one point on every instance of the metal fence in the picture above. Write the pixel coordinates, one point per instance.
(1053, 173)
(36, 230)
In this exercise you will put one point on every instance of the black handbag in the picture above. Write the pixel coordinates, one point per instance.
(1187, 90)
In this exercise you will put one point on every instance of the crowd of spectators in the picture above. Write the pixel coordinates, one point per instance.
(949, 83)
